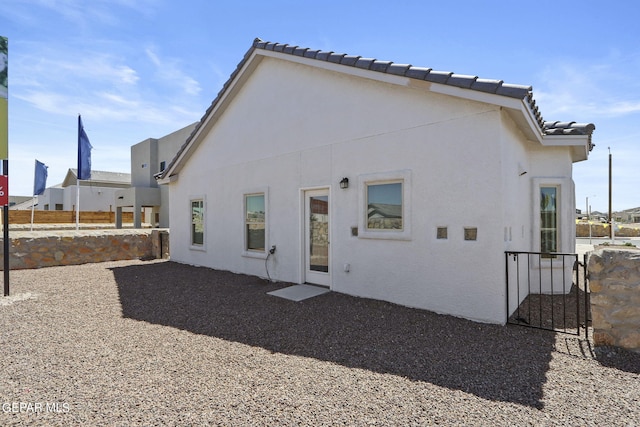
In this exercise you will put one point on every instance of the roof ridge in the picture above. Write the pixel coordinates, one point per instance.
(491, 86)
(497, 87)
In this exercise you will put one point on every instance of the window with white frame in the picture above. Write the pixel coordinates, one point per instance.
(255, 222)
(385, 205)
(197, 222)
(548, 219)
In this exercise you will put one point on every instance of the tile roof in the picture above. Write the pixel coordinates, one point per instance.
(105, 176)
(568, 128)
(497, 87)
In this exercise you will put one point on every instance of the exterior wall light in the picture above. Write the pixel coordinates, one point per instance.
(344, 183)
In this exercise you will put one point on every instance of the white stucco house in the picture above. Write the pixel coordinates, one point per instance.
(149, 158)
(96, 194)
(375, 179)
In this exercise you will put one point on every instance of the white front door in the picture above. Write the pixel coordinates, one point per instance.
(316, 241)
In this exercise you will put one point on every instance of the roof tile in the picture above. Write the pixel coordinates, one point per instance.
(364, 63)
(398, 69)
(311, 53)
(438, 76)
(279, 47)
(336, 58)
(380, 66)
(289, 49)
(461, 80)
(514, 91)
(323, 55)
(349, 60)
(417, 72)
(486, 85)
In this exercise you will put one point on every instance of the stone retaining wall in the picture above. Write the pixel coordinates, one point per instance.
(614, 279)
(36, 249)
(602, 230)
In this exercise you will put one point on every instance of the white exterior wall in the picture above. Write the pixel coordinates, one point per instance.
(50, 197)
(293, 127)
(92, 198)
(527, 167)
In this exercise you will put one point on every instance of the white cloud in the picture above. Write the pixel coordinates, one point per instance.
(78, 12)
(42, 66)
(597, 90)
(168, 70)
(104, 86)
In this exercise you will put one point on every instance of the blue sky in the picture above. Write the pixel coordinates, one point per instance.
(137, 69)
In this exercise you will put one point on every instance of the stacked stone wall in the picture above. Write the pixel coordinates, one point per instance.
(36, 249)
(614, 279)
(602, 230)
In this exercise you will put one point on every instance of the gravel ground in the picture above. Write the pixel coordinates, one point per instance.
(159, 343)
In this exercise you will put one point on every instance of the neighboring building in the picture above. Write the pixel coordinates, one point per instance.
(628, 215)
(149, 158)
(96, 194)
(16, 202)
(374, 179)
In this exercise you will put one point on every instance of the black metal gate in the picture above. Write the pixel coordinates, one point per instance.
(547, 291)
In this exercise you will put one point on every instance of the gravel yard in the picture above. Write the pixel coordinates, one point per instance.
(160, 343)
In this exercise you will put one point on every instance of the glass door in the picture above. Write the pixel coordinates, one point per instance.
(317, 237)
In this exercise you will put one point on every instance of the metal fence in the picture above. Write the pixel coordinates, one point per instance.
(547, 291)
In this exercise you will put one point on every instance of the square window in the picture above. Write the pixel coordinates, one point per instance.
(470, 233)
(255, 222)
(441, 233)
(384, 206)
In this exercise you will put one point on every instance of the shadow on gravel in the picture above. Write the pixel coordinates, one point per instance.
(493, 362)
(618, 358)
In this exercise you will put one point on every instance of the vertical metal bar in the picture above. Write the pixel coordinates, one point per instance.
(506, 267)
(577, 270)
(564, 294)
(553, 321)
(529, 286)
(540, 291)
(5, 213)
(586, 299)
(517, 259)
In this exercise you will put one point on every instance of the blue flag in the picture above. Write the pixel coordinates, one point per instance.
(84, 153)
(40, 180)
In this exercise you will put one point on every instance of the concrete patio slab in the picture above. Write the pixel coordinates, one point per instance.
(299, 292)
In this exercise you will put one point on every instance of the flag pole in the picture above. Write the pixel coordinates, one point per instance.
(78, 174)
(33, 205)
(84, 165)
(77, 203)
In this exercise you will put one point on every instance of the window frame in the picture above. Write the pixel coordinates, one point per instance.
(565, 193)
(253, 253)
(192, 244)
(556, 214)
(364, 181)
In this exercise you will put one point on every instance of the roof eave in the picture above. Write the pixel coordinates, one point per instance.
(579, 145)
(249, 62)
